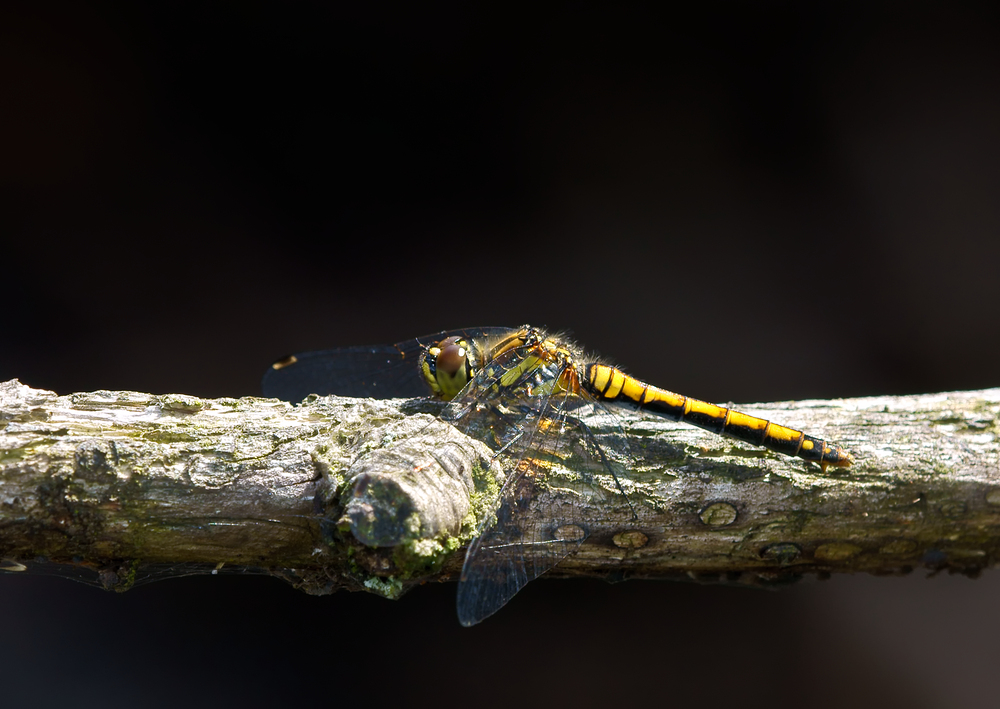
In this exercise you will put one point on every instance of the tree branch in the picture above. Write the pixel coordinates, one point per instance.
(380, 495)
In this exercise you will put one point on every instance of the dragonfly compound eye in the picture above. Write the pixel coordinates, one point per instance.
(451, 357)
(446, 367)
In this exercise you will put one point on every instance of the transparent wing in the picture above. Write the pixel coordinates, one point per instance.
(380, 371)
(543, 513)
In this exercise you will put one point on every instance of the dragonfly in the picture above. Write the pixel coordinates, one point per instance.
(522, 391)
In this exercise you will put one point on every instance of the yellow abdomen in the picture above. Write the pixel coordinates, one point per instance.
(613, 385)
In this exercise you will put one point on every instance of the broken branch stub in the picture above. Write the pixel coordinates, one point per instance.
(417, 486)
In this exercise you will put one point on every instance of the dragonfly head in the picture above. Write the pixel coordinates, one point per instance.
(447, 367)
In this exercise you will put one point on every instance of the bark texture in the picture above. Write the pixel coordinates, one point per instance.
(380, 495)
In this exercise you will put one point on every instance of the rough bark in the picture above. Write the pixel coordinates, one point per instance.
(380, 495)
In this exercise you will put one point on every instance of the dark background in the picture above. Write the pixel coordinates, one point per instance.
(737, 201)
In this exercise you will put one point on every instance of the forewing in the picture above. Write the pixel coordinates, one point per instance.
(379, 372)
(511, 550)
(543, 513)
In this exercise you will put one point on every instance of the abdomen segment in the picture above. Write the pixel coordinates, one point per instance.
(612, 385)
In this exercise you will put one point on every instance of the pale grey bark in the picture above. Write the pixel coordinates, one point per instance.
(381, 495)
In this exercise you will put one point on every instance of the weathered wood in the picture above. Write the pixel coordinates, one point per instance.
(349, 493)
